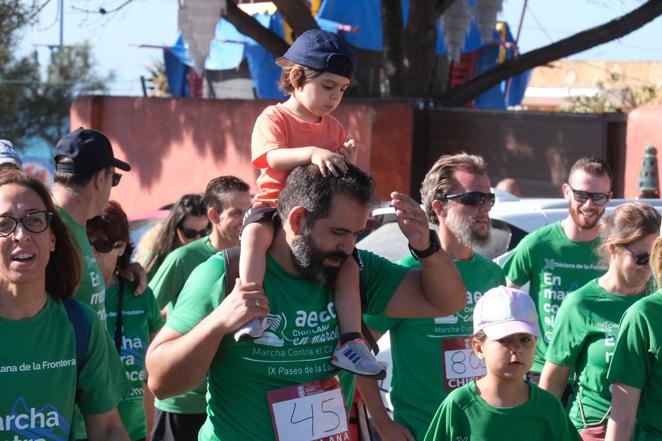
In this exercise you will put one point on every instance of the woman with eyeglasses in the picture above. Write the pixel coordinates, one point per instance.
(586, 325)
(186, 222)
(55, 351)
(132, 320)
(636, 366)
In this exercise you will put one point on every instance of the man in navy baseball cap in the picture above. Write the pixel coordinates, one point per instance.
(322, 51)
(88, 151)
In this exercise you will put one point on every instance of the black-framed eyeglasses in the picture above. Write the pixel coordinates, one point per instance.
(116, 179)
(472, 198)
(104, 245)
(640, 258)
(191, 233)
(582, 196)
(34, 222)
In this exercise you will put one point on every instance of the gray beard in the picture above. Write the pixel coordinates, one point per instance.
(463, 231)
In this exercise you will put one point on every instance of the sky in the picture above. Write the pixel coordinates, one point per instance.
(115, 37)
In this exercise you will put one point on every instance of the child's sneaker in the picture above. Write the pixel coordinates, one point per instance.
(354, 356)
(251, 330)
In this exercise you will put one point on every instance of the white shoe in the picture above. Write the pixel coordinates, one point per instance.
(354, 356)
(251, 330)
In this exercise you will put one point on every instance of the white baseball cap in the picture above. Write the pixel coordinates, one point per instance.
(504, 311)
(8, 154)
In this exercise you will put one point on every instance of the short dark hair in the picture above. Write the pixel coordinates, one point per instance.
(306, 187)
(216, 193)
(305, 74)
(113, 224)
(76, 180)
(64, 267)
(594, 166)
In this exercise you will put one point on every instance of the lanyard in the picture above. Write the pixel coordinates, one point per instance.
(118, 321)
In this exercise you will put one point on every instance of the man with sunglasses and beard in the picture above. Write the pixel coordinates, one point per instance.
(432, 356)
(282, 383)
(84, 175)
(561, 257)
(227, 199)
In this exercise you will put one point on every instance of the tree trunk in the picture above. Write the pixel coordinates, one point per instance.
(441, 6)
(250, 27)
(420, 41)
(582, 41)
(297, 14)
(393, 47)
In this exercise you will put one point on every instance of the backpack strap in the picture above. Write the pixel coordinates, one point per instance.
(231, 258)
(82, 329)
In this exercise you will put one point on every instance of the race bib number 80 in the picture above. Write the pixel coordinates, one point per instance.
(309, 412)
(461, 365)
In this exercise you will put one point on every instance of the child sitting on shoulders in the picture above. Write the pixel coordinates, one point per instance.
(317, 70)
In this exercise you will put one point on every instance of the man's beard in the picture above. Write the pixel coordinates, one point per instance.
(462, 228)
(583, 225)
(308, 260)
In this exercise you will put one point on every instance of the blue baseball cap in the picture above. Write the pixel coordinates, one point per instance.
(322, 51)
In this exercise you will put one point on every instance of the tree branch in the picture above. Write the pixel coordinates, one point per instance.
(297, 14)
(250, 27)
(579, 42)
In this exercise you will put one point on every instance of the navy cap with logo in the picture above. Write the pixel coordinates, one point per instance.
(89, 150)
(322, 51)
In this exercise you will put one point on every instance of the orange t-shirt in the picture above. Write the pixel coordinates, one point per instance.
(277, 128)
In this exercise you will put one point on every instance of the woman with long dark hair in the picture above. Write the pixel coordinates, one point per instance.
(55, 351)
(186, 222)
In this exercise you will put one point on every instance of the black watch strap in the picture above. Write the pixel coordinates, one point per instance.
(430, 250)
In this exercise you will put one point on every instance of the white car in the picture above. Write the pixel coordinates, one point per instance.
(512, 218)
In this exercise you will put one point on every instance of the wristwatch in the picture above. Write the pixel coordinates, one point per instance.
(430, 250)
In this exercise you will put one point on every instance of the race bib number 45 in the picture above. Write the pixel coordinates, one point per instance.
(461, 364)
(309, 412)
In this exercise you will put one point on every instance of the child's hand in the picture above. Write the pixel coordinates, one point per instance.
(327, 161)
(350, 150)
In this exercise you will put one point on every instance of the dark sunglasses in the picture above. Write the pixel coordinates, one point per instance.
(34, 222)
(116, 179)
(104, 245)
(582, 196)
(472, 198)
(190, 233)
(640, 258)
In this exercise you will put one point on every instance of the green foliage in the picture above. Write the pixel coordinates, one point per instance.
(34, 103)
(614, 100)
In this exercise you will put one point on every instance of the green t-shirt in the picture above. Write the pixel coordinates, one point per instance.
(295, 349)
(584, 338)
(167, 284)
(140, 319)
(91, 290)
(465, 416)
(637, 361)
(432, 356)
(169, 279)
(555, 266)
(38, 380)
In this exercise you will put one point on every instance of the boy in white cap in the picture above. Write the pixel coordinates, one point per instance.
(9, 156)
(502, 405)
